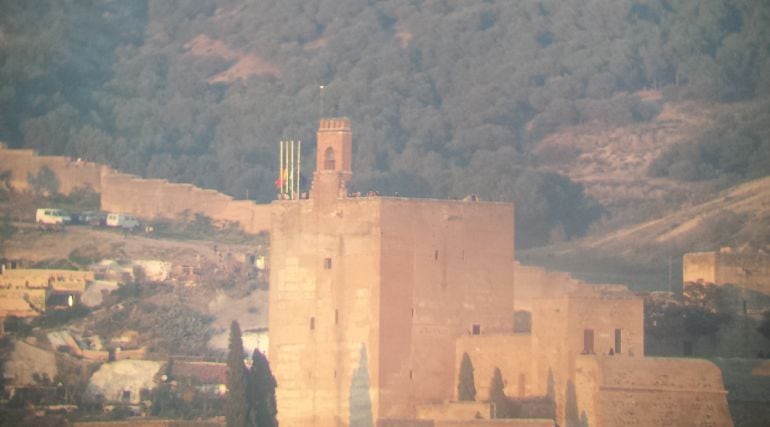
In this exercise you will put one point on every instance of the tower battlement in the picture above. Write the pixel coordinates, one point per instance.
(334, 123)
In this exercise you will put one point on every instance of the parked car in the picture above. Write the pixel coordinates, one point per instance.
(93, 218)
(122, 220)
(51, 217)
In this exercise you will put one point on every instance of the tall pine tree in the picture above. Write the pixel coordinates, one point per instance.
(262, 409)
(466, 387)
(236, 405)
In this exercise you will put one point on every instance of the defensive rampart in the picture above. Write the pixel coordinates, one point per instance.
(158, 198)
(71, 173)
(618, 391)
(145, 198)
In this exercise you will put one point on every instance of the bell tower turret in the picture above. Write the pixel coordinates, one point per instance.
(333, 159)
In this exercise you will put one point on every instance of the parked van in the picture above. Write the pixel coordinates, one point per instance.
(51, 216)
(122, 220)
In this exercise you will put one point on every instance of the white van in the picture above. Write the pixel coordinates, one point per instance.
(51, 216)
(122, 220)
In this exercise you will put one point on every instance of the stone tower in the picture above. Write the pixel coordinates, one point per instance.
(333, 159)
(367, 294)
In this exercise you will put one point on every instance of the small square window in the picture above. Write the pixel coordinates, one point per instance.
(476, 329)
(327, 263)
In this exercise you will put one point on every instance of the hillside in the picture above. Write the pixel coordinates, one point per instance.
(446, 98)
(223, 289)
(640, 254)
(613, 162)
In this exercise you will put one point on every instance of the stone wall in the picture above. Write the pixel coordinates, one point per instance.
(618, 391)
(144, 422)
(145, 198)
(747, 270)
(157, 198)
(453, 411)
(533, 283)
(445, 272)
(368, 295)
(71, 173)
(512, 354)
(57, 280)
(23, 291)
(324, 304)
(466, 423)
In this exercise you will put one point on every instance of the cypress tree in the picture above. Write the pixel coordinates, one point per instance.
(466, 387)
(262, 408)
(497, 394)
(236, 405)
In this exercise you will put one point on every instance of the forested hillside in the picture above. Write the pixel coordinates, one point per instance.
(446, 97)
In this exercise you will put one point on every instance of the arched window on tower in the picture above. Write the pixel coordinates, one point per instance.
(329, 159)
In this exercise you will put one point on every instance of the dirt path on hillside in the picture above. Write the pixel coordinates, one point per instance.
(32, 245)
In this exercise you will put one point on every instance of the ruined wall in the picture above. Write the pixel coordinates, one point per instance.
(157, 198)
(617, 391)
(747, 270)
(70, 172)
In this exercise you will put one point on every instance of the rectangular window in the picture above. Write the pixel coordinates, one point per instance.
(588, 341)
(336, 316)
(327, 263)
(312, 323)
(618, 336)
(522, 321)
(476, 330)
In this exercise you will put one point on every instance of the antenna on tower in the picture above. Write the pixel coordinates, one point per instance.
(289, 170)
(321, 101)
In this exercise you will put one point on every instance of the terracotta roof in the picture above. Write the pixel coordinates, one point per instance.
(205, 372)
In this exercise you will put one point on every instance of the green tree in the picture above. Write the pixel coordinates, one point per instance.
(236, 405)
(497, 394)
(262, 407)
(764, 327)
(44, 182)
(466, 388)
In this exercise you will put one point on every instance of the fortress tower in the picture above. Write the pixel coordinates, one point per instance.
(374, 300)
(369, 293)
